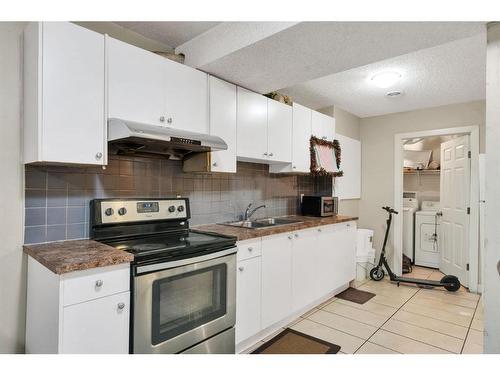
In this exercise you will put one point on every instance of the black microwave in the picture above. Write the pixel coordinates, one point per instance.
(319, 206)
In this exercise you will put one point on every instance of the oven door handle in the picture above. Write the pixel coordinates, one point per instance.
(179, 263)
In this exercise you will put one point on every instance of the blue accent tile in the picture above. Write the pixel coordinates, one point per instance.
(56, 215)
(56, 180)
(57, 198)
(34, 235)
(36, 179)
(75, 231)
(35, 198)
(76, 215)
(56, 232)
(34, 216)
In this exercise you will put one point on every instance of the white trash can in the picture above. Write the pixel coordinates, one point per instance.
(365, 254)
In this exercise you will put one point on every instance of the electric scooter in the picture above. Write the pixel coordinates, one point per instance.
(449, 282)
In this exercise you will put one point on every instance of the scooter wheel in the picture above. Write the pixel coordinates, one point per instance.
(452, 283)
(377, 273)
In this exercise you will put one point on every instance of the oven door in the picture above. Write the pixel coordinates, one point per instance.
(182, 303)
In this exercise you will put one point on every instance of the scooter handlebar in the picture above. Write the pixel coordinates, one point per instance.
(390, 210)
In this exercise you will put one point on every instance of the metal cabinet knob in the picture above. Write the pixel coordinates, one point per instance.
(99, 283)
(121, 306)
(271, 154)
(348, 225)
(241, 268)
(250, 249)
(214, 164)
(162, 118)
(290, 237)
(265, 153)
(294, 167)
(98, 155)
(169, 120)
(296, 235)
(319, 229)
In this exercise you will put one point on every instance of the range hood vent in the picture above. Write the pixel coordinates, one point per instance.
(134, 138)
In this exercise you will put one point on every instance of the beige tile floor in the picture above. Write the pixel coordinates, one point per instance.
(404, 319)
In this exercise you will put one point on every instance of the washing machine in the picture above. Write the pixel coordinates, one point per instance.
(410, 207)
(427, 234)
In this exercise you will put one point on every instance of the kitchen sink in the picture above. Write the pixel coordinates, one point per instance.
(262, 223)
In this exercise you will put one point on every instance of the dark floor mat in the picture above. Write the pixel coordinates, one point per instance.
(293, 342)
(355, 295)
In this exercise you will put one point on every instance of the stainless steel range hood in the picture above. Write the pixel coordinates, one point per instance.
(134, 138)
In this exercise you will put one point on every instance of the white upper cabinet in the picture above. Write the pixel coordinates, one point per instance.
(322, 126)
(64, 94)
(252, 125)
(148, 88)
(279, 131)
(223, 124)
(186, 97)
(137, 84)
(349, 185)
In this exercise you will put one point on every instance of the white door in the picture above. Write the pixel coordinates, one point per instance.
(186, 97)
(73, 95)
(305, 259)
(100, 326)
(276, 278)
(248, 290)
(136, 84)
(279, 131)
(455, 200)
(301, 156)
(223, 124)
(251, 125)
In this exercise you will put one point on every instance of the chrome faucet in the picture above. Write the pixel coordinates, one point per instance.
(249, 213)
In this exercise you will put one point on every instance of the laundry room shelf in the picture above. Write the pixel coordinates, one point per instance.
(422, 172)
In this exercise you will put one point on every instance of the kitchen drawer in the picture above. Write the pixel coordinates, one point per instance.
(249, 249)
(86, 285)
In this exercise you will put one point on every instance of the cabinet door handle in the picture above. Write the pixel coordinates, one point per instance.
(319, 229)
(250, 249)
(241, 268)
(290, 237)
(294, 167)
(98, 283)
(169, 120)
(271, 154)
(98, 156)
(121, 306)
(265, 153)
(296, 235)
(162, 118)
(214, 164)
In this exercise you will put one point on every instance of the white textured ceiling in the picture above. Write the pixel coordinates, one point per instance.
(449, 73)
(171, 33)
(311, 50)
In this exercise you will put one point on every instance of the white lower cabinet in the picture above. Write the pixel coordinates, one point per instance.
(81, 312)
(97, 326)
(248, 289)
(276, 278)
(281, 275)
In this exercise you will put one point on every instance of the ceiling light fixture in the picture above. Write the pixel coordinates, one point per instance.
(392, 94)
(385, 79)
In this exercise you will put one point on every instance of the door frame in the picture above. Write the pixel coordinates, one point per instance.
(397, 234)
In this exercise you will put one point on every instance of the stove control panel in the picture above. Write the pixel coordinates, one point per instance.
(116, 211)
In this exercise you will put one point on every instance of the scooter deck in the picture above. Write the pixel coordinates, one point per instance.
(410, 280)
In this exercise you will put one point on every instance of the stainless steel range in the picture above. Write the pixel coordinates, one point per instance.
(183, 282)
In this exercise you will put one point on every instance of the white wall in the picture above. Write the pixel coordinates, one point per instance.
(491, 276)
(377, 159)
(346, 124)
(12, 262)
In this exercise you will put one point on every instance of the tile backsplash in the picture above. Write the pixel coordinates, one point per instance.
(57, 197)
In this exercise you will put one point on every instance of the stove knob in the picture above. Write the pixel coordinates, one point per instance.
(171, 209)
(109, 211)
(122, 211)
(180, 208)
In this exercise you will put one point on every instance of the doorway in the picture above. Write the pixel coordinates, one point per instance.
(439, 169)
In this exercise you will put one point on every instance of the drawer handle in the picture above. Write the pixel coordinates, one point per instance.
(250, 249)
(296, 235)
(99, 283)
(241, 268)
(121, 306)
(290, 237)
(319, 229)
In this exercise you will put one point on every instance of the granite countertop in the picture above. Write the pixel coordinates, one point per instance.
(245, 233)
(68, 256)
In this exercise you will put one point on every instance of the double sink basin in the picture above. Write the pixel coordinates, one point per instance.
(262, 223)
